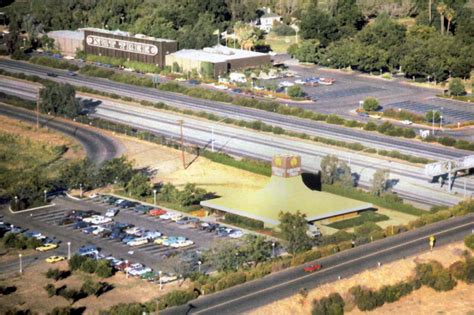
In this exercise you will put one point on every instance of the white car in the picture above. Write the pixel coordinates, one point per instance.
(167, 216)
(299, 81)
(97, 230)
(138, 241)
(112, 212)
(236, 234)
(180, 244)
(97, 219)
(139, 271)
(168, 278)
(133, 230)
(221, 87)
(286, 84)
(176, 216)
(407, 122)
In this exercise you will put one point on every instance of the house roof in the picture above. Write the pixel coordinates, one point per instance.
(286, 194)
(216, 54)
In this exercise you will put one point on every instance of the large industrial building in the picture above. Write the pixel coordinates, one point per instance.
(287, 192)
(127, 46)
(219, 60)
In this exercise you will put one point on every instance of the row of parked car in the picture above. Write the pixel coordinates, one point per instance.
(47, 243)
(177, 217)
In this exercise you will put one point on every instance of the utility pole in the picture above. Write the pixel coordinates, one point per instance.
(180, 122)
(37, 112)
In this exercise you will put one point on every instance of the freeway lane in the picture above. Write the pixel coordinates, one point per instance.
(253, 294)
(232, 111)
(410, 182)
(99, 147)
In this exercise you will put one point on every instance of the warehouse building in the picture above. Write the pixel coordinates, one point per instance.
(215, 61)
(133, 47)
(68, 42)
(287, 192)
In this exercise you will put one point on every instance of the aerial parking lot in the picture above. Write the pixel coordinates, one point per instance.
(102, 228)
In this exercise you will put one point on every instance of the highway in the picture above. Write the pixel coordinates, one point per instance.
(276, 286)
(99, 147)
(227, 110)
(409, 181)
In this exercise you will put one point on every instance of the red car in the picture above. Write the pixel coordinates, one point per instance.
(156, 212)
(312, 268)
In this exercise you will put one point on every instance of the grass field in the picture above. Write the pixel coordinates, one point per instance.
(280, 44)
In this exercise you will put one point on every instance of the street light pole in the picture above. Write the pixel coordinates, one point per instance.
(432, 128)
(199, 266)
(80, 187)
(68, 250)
(21, 263)
(273, 249)
(45, 196)
(154, 197)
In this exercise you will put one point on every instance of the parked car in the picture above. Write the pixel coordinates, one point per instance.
(142, 208)
(138, 241)
(176, 217)
(80, 225)
(112, 212)
(157, 212)
(236, 234)
(51, 74)
(71, 74)
(407, 122)
(88, 250)
(134, 230)
(151, 235)
(128, 238)
(166, 278)
(137, 272)
(55, 259)
(160, 240)
(166, 216)
(181, 243)
(46, 247)
(97, 219)
(194, 82)
(312, 268)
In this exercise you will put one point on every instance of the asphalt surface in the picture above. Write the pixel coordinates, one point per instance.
(252, 144)
(99, 147)
(232, 111)
(152, 255)
(254, 294)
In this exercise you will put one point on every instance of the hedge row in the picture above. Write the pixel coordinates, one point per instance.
(17, 101)
(114, 76)
(53, 63)
(243, 221)
(118, 62)
(363, 217)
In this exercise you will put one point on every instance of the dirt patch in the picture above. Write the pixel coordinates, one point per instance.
(167, 166)
(30, 292)
(460, 299)
(43, 135)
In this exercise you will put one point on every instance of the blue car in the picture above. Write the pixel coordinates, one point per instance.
(127, 239)
(88, 230)
(88, 250)
(80, 225)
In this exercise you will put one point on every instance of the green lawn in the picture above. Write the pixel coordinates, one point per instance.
(280, 44)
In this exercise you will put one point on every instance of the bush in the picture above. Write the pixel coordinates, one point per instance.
(456, 87)
(363, 217)
(370, 126)
(447, 141)
(230, 280)
(76, 261)
(62, 310)
(366, 228)
(243, 221)
(295, 92)
(334, 119)
(103, 269)
(435, 276)
(371, 104)
(330, 305)
(90, 287)
(51, 289)
(177, 297)
(53, 63)
(365, 299)
(458, 270)
(284, 30)
(55, 274)
(89, 265)
(469, 241)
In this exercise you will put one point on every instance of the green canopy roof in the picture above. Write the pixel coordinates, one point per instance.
(286, 194)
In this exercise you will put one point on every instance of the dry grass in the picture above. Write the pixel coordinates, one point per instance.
(44, 136)
(31, 295)
(168, 167)
(423, 301)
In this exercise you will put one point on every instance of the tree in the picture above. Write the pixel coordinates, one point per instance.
(293, 229)
(441, 8)
(371, 104)
(191, 195)
(139, 185)
(450, 13)
(348, 17)
(114, 171)
(330, 305)
(333, 170)
(456, 87)
(433, 116)
(319, 25)
(90, 287)
(380, 182)
(295, 91)
(59, 99)
(168, 192)
(307, 51)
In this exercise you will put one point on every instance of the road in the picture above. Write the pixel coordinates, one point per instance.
(254, 294)
(232, 111)
(98, 146)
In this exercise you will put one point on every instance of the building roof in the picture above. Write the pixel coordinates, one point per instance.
(286, 194)
(125, 34)
(216, 54)
(79, 35)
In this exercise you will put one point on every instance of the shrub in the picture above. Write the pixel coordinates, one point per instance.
(230, 280)
(62, 310)
(89, 265)
(295, 91)
(367, 228)
(370, 126)
(469, 271)
(458, 270)
(243, 221)
(53, 63)
(126, 309)
(371, 104)
(103, 269)
(69, 294)
(55, 274)
(363, 217)
(51, 289)
(469, 241)
(447, 141)
(365, 299)
(332, 304)
(456, 87)
(90, 287)
(334, 119)
(177, 297)
(76, 261)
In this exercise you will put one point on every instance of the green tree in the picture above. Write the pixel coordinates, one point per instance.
(456, 87)
(59, 99)
(139, 185)
(371, 104)
(90, 287)
(191, 195)
(295, 91)
(293, 229)
(349, 18)
(333, 170)
(168, 192)
(307, 51)
(433, 115)
(330, 305)
(115, 171)
(103, 269)
(380, 182)
(319, 25)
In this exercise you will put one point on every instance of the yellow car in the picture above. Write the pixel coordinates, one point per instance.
(160, 240)
(55, 259)
(46, 247)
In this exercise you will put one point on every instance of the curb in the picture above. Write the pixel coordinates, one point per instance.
(31, 209)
